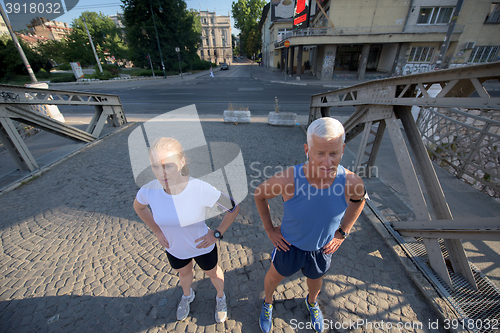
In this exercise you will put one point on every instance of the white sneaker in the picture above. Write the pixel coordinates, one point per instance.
(183, 308)
(220, 309)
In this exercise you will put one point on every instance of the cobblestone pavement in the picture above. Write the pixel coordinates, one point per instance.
(76, 258)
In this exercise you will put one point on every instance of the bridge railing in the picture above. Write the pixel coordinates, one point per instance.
(16, 104)
(380, 104)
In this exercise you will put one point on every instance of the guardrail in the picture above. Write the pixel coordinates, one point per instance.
(16, 102)
(380, 103)
(369, 30)
(466, 145)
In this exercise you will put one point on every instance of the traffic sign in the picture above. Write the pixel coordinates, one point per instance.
(287, 43)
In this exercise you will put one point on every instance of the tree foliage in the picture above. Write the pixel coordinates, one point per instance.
(11, 62)
(246, 14)
(107, 38)
(176, 25)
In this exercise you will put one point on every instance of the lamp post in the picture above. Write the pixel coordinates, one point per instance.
(179, 59)
(18, 46)
(157, 39)
(92, 44)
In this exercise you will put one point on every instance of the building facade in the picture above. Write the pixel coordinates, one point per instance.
(216, 44)
(359, 39)
(3, 26)
(52, 30)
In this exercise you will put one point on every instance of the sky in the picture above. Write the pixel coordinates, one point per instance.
(111, 7)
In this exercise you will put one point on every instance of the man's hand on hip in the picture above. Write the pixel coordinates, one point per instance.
(334, 244)
(277, 238)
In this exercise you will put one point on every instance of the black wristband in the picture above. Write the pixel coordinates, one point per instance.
(359, 200)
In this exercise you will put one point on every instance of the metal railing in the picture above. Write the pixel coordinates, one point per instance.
(467, 141)
(387, 104)
(17, 104)
(371, 30)
(466, 145)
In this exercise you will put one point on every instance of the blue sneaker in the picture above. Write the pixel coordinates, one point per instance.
(316, 316)
(266, 317)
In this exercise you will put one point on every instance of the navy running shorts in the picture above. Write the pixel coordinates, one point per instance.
(314, 264)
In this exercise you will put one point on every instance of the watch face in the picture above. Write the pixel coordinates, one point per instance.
(217, 234)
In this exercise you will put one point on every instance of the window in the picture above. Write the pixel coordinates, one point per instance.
(214, 42)
(494, 14)
(421, 54)
(435, 15)
(201, 53)
(483, 54)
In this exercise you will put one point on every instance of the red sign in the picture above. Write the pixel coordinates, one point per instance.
(287, 43)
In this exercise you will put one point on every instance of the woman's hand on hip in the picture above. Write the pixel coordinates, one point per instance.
(206, 240)
(162, 239)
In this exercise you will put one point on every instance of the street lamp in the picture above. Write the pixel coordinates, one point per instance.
(157, 39)
(179, 58)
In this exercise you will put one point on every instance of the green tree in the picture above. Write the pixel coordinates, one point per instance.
(176, 26)
(107, 39)
(10, 60)
(246, 14)
(52, 50)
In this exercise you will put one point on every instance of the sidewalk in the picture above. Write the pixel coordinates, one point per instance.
(266, 74)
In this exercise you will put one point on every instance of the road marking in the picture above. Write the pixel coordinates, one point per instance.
(176, 93)
(250, 89)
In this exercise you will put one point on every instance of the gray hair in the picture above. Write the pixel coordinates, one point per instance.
(326, 128)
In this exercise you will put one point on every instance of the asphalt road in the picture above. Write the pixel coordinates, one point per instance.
(211, 95)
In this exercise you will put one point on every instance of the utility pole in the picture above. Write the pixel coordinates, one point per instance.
(158, 39)
(91, 43)
(179, 59)
(18, 46)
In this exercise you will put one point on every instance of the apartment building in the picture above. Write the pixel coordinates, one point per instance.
(216, 45)
(52, 30)
(361, 39)
(3, 26)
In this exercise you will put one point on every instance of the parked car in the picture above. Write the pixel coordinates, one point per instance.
(224, 66)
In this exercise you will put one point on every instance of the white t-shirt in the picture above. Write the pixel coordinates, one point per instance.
(181, 217)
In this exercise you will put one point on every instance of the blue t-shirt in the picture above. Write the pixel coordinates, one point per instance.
(313, 215)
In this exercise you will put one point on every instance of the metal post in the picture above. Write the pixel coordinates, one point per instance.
(151, 64)
(158, 40)
(449, 33)
(92, 44)
(179, 59)
(18, 46)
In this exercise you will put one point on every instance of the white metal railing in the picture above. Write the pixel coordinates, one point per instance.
(465, 144)
(346, 31)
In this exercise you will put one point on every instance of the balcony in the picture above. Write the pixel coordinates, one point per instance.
(360, 31)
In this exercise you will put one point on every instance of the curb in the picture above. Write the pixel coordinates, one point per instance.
(140, 78)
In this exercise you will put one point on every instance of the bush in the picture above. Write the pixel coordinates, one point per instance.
(106, 75)
(158, 72)
(65, 78)
(113, 69)
(63, 67)
(42, 74)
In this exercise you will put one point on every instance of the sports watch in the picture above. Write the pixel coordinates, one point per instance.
(217, 234)
(344, 234)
